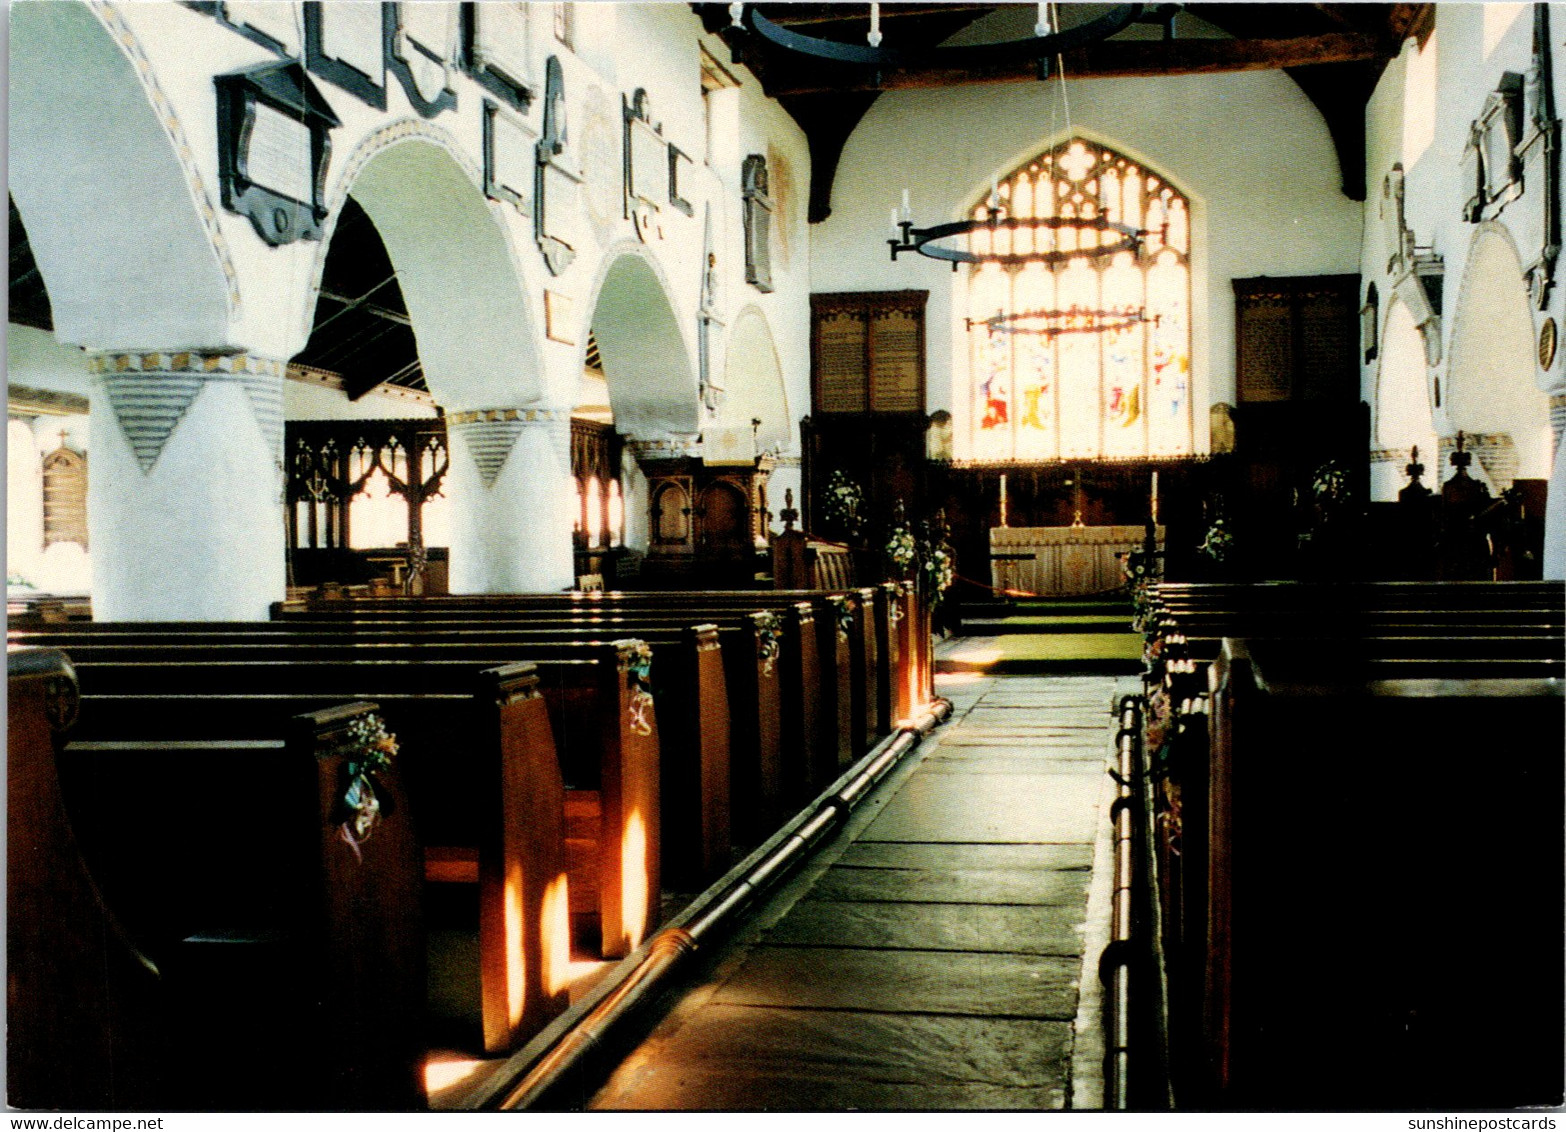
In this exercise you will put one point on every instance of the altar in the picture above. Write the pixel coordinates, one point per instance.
(1062, 561)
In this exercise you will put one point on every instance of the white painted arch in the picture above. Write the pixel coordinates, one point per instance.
(458, 274)
(128, 244)
(1491, 386)
(1403, 417)
(653, 388)
(753, 382)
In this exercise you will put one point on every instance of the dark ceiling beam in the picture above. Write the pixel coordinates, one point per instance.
(1132, 59)
(367, 307)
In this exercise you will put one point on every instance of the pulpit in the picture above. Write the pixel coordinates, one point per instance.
(1063, 561)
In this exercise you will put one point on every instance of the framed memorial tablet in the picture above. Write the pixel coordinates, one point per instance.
(273, 144)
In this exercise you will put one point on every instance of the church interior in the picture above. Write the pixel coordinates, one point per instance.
(797, 556)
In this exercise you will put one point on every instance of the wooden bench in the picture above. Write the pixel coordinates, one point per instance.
(906, 668)
(1348, 638)
(83, 1002)
(686, 672)
(1385, 881)
(291, 961)
(603, 722)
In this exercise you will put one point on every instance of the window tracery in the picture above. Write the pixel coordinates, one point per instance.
(1071, 392)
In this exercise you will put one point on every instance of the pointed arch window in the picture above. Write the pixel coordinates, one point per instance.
(1118, 393)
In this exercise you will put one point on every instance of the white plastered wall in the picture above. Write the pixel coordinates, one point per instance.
(1420, 116)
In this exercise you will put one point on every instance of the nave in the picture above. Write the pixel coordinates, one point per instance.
(486, 481)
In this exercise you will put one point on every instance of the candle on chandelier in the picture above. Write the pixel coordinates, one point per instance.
(895, 232)
(1154, 505)
(907, 211)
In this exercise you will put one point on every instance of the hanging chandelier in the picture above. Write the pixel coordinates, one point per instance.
(1052, 323)
(1090, 237)
(1043, 45)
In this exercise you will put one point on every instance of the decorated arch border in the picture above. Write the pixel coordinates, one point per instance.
(122, 34)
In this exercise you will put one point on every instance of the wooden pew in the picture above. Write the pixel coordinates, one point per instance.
(1347, 636)
(708, 602)
(1385, 885)
(603, 721)
(687, 676)
(83, 1002)
(757, 674)
(291, 960)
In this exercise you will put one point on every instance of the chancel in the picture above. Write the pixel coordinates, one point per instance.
(785, 556)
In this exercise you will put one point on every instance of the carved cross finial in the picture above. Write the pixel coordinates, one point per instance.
(789, 514)
(1461, 458)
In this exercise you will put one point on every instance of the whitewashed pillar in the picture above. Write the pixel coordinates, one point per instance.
(185, 486)
(512, 500)
(1555, 500)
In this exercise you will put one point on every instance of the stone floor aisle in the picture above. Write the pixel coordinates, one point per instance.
(941, 952)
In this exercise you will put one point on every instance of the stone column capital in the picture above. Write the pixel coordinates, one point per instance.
(150, 391)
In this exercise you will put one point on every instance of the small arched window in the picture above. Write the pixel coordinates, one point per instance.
(1118, 393)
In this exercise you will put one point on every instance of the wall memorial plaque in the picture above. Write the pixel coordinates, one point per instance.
(345, 44)
(497, 39)
(867, 352)
(422, 49)
(557, 214)
(277, 21)
(841, 340)
(758, 222)
(509, 157)
(896, 370)
(273, 146)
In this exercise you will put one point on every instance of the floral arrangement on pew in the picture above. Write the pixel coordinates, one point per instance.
(842, 504)
(902, 549)
(1140, 567)
(369, 749)
(639, 673)
(1218, 542)
(769, 640)
(937, 562)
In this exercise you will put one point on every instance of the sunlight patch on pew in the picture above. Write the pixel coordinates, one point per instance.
(516, 960)
(555, 931)
(633, 879)
(441, 1073)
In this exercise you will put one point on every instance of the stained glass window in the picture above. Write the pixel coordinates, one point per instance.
(1096, 385)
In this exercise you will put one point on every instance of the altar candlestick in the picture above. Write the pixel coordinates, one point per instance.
(1003, 521)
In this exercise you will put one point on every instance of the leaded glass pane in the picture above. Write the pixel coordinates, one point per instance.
(1089, 379)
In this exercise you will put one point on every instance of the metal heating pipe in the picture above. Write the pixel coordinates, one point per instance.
(547, 1060)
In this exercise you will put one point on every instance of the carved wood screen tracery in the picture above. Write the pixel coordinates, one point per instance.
(595, 466)
(331, 464)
